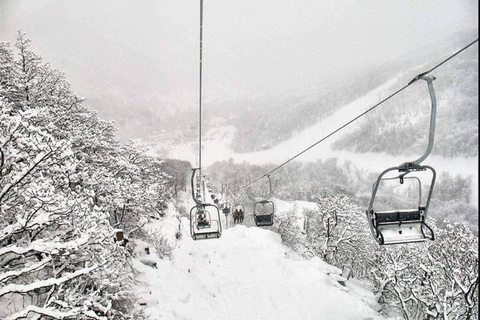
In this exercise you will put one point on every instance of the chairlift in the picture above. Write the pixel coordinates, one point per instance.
(215, 199)
(205, 222)
(406, 225)
(264, 210)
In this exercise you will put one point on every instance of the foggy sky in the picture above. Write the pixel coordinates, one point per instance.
(251, 47)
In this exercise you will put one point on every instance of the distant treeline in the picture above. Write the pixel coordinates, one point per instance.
(451, 200)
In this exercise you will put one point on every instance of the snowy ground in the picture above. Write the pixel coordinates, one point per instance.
(246, 274)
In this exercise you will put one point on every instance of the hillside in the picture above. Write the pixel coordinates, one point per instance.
(266, 122)
(395, 132)
(401, 125)
(358, 166)
(246, 274)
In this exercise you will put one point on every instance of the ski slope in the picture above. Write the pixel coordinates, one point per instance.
(246, 274)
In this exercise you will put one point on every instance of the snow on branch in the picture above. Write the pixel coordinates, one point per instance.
(46, 247)
(49, 312)
(15, 274)
(22, 224)
(25, 172)
(17, 288)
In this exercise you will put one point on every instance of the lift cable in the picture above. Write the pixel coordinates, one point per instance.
(205, 221)
(360, 115)
(200, 94)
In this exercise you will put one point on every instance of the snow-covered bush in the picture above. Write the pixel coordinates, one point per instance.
(434, 280)
(286, 225)
(451, 274)
(159, 242)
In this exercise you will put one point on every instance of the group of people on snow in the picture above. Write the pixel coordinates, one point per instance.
(238, 215)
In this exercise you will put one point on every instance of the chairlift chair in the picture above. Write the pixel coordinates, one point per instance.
(205, 222)
(263, 212)
(405, 225)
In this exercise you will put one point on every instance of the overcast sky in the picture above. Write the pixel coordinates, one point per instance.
(251, 47)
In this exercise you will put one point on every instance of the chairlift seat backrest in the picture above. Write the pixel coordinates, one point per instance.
(264, 220)
(413, 215)
(207, 228)
(265, 217)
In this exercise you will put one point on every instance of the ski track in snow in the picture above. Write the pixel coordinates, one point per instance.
(246, 274)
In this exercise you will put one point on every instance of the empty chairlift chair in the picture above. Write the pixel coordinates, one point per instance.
(263, 212)
(405, 225)
(402, 225)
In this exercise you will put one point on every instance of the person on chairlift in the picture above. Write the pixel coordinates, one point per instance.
(201, 219)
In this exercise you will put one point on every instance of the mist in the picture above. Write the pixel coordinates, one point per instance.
(143, 56)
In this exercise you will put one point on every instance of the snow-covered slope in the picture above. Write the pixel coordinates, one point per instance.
(246, 274)
(215, 146)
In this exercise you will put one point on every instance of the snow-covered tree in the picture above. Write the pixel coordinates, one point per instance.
(338, 233)
(58, 258)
